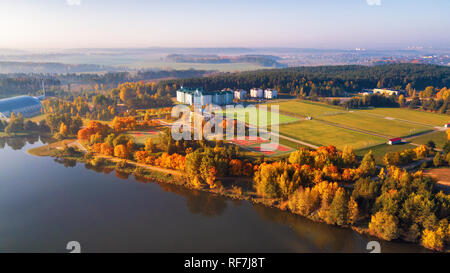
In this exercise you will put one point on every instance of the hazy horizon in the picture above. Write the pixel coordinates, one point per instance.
(325, 24)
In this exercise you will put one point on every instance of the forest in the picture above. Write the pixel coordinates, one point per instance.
(23, 83)
(327, 80)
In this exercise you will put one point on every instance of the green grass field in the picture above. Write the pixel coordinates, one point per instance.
(282, 119)
(377, 125)
(139, 137)
(380, 150)
(439, 138)
(431, 119)
(307, 108)
(318, 133)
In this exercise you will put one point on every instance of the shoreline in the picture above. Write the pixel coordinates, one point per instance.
(162, 175)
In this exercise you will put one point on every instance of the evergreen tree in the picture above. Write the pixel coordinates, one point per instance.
(437, 160)
(338, 209)
(367, 166)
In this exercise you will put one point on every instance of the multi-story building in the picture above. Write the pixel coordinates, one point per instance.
(270, 94)
(198, 96)
(240, 94)
(256, 93)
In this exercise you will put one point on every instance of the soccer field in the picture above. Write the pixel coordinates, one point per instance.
(139, 137)
(319, 133)
(431, 119)
(306, 108)
(282, 119)
(377, 125)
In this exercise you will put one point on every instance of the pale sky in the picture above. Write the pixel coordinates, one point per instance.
(224, 23)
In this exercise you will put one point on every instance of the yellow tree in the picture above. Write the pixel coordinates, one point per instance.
(384, 225)
(121, 151)
(353, 212)
(63, 129)
(149, 145)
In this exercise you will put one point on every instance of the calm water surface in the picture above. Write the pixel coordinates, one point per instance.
(44, 204)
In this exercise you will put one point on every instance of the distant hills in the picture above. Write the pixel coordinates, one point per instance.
(51, 67)
(263, 60)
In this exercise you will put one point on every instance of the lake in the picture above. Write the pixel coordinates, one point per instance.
(44, 204)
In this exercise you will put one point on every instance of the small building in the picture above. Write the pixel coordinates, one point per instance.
(240, 94)
(270, 94)
(393, 141)
(256, 93)
(26, 105)
(447, 125)
(387, 91)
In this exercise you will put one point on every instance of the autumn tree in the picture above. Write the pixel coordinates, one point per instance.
(63, 130)
(339, 208)
(433, 239)
(437, 160)
(353, 211)
(120, 151)
(149, 147)
(106, 149)
(348, 156)
(384, 225)
(367, 166)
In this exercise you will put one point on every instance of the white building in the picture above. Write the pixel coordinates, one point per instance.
(270, 94)
(240, 94)
(181, 96)
(387, 91)
(256, 93)
(198, 96)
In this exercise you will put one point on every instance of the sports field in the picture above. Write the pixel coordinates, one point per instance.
(253, 144)
(431, 119)
(377, 125)
(282, 119)
(318, 133)
(140, 137)
(306, 108)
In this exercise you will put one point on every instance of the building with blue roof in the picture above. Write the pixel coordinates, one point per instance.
(26, 105)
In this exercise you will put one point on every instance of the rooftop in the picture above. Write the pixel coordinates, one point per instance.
(10, 104)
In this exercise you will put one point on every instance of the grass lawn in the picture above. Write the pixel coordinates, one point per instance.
(380, 150)
(378, 125)
(431, 119)
(50, 149)
(37, 118)
(291, 144)
(282, 119)
(318, 133)
(139, 137)
(307, 108)
(440, 138)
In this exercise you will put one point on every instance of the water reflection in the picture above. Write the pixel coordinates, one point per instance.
(196, 201)
(152, 216)
(18, 142)
(68, 163)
